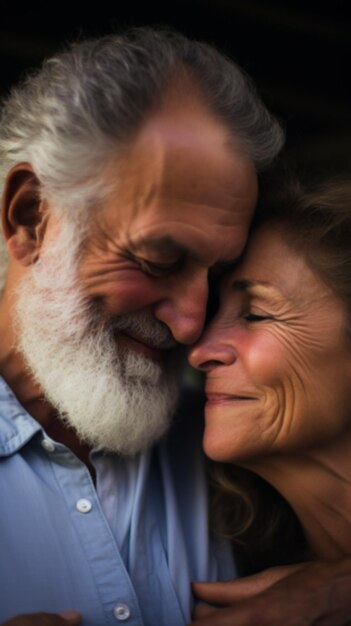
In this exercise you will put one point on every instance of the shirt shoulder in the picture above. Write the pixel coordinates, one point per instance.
(17, 427)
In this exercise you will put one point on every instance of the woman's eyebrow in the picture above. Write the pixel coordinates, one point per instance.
(244, 284)
(259, 288)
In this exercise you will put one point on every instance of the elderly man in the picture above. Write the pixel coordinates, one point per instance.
(130, 177)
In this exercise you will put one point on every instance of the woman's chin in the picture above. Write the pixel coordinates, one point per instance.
(218, 447)
(235, 447)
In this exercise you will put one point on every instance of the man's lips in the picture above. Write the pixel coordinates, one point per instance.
(141, 345)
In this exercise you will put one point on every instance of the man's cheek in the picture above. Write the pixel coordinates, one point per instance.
(129, 296)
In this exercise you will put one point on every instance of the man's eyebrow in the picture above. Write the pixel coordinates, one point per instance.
(164, 244)
(167, 244)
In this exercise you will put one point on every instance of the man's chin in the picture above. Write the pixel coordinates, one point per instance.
(140, 420)
(126, 447)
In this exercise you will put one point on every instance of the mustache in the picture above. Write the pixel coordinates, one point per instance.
(144, 327)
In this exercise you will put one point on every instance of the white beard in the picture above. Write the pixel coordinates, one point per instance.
(115, 399)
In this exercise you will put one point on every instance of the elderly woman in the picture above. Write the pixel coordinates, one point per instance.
(277, 358)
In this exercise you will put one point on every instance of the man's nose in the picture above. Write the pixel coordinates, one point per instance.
(184, 310)
(212, 350)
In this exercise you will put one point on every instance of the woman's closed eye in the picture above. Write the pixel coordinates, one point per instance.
(256, 317)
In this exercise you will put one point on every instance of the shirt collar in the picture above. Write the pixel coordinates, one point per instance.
(17, 427)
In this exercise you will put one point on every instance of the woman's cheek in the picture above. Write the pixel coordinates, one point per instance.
(265, 359)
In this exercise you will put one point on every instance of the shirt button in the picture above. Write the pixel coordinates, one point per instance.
(48, 445)
(121, 612)
(83, 505)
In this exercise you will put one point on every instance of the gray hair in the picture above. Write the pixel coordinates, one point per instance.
(85, 104)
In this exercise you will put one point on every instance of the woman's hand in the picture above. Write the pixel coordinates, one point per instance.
(299, 595)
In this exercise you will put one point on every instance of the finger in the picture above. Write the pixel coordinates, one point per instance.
(202, 610)
(220, 617)
(249, 613)
(71, 616)
(233, 590)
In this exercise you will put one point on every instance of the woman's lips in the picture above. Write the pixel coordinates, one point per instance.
(224, 398)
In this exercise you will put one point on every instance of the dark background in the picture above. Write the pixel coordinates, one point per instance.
(297, 52)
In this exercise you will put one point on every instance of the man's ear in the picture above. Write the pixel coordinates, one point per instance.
(24, 214)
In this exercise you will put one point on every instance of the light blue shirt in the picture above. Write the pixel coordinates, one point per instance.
(123, 551)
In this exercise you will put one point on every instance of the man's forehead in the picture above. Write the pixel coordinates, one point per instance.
(208, 174)
(182, 197)
(187, 125)
(180, 124)
(160, 143)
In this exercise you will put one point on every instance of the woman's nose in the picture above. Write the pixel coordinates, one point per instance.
(211, 351)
